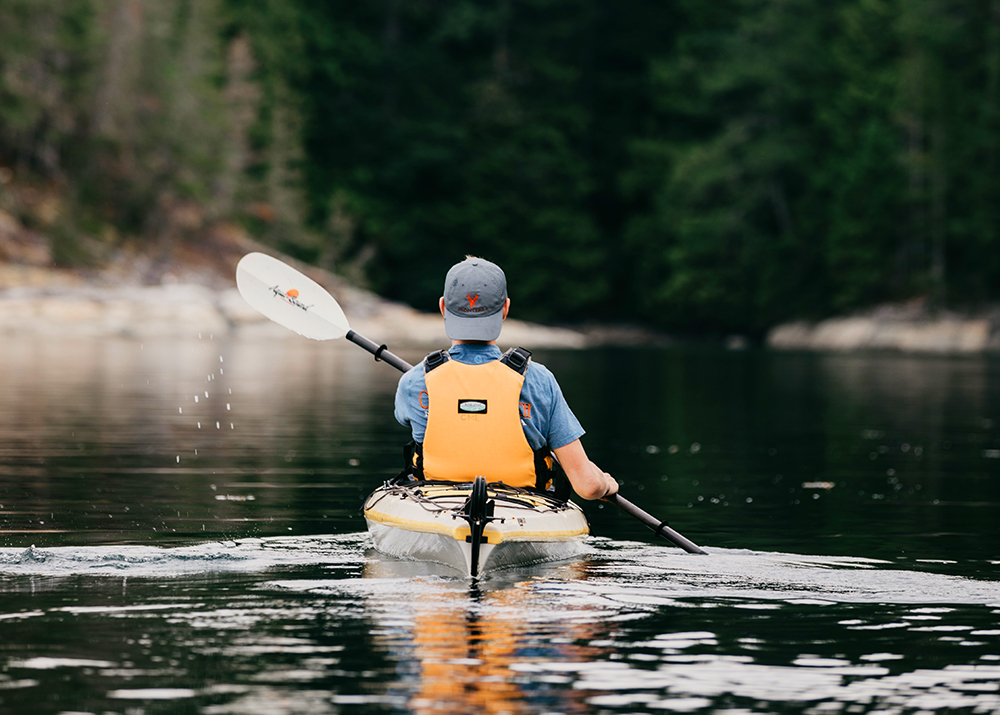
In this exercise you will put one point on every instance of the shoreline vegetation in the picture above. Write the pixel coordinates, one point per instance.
(190, 289)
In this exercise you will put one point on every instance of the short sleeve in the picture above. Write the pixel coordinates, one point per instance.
(408, 409)
(549, 418)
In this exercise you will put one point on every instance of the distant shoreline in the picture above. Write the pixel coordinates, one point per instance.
(905, 328)
(193, 292)
(190, 289)
(63, 305)
(177, 310)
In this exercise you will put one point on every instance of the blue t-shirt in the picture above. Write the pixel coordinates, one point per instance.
(546, 418)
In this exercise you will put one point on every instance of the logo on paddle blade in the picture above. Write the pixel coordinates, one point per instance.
(290, 296)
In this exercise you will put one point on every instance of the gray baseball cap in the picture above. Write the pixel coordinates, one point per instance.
(475, 291)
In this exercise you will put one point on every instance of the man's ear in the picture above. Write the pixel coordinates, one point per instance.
(506, 307)
(441, 305)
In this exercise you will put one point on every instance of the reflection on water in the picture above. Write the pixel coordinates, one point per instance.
(847, 502)
(463, 643)
(119, 440)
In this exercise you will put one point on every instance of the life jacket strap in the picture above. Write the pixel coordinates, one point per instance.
(550, 478)
(435, 359)
(549, 475)
(517, 359)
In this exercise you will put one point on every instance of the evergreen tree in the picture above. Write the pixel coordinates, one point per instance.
(713, 167)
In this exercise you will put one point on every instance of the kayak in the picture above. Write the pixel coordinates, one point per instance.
(473, 527)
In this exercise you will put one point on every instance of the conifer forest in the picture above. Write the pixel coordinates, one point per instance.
(705, 167)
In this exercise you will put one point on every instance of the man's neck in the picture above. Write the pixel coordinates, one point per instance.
(473, 342)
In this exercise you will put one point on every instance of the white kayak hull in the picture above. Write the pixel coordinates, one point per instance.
(424, 522)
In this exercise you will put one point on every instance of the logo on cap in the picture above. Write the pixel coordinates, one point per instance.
(473, 298)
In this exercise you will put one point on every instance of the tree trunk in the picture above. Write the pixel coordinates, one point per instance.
(501, 47)
(939, 225)
(912, 248)
(242, 98)
(115, 94)
(390, 45)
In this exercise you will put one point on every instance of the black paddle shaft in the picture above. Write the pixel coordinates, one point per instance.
(378, 351)
(659, 527)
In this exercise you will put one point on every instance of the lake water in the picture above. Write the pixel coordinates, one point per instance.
(180, 533)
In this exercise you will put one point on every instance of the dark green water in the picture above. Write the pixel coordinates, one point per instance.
(152, 565)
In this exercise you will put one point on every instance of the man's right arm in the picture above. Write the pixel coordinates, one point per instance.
(409, 410)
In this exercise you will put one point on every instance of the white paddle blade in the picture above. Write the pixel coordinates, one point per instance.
(287, 297)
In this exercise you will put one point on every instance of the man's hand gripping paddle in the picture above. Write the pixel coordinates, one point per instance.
(286, 296)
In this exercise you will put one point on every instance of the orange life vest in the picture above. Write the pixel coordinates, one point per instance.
(474, 424)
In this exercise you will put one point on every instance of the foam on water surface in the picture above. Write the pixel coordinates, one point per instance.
(243, 555)
(624, 573)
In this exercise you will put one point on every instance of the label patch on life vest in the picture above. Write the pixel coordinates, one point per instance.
(476, 407)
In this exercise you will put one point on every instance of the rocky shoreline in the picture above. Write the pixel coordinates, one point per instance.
(49, 303)
(908, 328)
(189, 289)
(178, 310)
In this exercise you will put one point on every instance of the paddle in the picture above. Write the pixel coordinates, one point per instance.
(659, 528)
(286, 296)
(289, 298)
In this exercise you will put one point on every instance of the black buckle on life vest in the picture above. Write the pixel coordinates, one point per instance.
(550, 477)
(413, 464)
(434, 360)
(516, 359)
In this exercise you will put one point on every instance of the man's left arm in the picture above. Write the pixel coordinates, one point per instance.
(588, 480)
(563, 436)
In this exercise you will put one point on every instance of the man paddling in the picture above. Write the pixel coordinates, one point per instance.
(476, 411)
